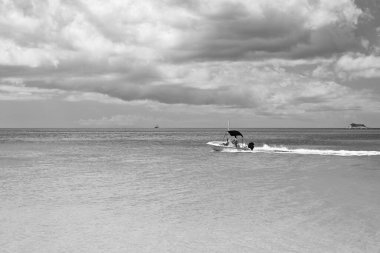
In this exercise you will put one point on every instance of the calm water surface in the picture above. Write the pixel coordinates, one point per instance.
(164, 190)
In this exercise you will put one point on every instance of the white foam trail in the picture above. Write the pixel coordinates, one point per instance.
(281, 149)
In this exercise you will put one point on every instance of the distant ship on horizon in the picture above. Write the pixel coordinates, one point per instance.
(156, 126)
(357, 126)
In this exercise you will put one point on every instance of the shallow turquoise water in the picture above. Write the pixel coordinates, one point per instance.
(164, 190)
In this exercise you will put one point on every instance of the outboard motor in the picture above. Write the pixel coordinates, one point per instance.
(251, 145)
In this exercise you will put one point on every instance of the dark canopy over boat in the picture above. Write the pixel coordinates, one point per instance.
(235, 133)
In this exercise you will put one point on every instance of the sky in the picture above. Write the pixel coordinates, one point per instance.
(189, 63)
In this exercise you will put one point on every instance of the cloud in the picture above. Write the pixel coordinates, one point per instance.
(173, 31)
(299, 29)
(164, 93)
(115, 121)
(255, 55)
(349, 67)
(90, 96)
(353, 66)
(18, 92)
(265, 90)
(12, 54)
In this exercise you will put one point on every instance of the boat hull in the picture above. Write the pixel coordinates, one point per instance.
(221, 146)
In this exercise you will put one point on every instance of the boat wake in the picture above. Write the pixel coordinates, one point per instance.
(302, 151)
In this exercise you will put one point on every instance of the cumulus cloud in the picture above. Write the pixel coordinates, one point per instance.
(238, 54)
(353, 66)
(349, 66)
(170, 30)
(12, 54)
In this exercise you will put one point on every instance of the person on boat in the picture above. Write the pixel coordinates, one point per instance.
(227, 142)
(235, 142)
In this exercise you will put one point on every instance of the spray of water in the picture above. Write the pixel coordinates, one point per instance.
(304, 151)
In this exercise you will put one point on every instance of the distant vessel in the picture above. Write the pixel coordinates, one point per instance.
(156, 126)
(357, 126)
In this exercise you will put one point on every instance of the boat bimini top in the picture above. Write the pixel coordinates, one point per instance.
(234, 133)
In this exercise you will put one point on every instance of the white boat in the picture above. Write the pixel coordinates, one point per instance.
(234, 141)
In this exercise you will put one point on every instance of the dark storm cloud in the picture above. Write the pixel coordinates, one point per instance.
(369, 23)
(234, 32)
(309, 100)
(127, 89)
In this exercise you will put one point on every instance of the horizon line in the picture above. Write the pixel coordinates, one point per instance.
(187, 128)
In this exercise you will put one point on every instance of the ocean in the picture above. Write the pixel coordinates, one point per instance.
(165, 190)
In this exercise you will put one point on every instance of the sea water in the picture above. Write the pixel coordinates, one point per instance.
(165, 190)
